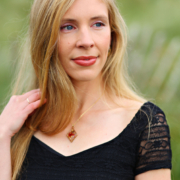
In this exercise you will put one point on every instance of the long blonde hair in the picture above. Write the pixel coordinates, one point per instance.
(47, 73)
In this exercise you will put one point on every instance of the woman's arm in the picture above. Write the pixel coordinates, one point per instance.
(160, 174)
(11, 120)
(5, 158)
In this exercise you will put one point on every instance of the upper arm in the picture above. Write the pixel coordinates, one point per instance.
(160, 174)
(154, 151)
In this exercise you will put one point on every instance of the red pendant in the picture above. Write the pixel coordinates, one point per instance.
(72, 134)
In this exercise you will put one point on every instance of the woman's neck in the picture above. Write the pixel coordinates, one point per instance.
(88, 93)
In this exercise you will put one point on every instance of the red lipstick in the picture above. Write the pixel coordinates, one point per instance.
(85, 60)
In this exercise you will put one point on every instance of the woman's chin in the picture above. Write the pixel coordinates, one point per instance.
(83, 78)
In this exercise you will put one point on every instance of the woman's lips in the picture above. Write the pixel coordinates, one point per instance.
(85, 60)
(85, 57)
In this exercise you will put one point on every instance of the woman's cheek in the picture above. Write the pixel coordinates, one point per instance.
(104, 39)
(107, 39)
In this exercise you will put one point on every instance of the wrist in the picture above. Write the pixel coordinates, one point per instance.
(5, 142)
(4, 136)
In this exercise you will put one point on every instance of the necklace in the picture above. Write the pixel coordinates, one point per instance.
(73, 134)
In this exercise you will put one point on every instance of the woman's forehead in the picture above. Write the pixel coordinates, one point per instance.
(87, 8)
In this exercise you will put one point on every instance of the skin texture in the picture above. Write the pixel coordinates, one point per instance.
(160, 174)
(88, 34)
(17, 111)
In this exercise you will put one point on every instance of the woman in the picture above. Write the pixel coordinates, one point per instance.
(84, 121)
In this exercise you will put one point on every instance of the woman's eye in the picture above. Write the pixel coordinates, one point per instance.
(99, 24)
(68, 27)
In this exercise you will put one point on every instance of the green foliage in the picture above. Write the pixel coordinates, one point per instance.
(154, 62)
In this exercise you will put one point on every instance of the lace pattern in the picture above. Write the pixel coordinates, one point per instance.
(154, 148)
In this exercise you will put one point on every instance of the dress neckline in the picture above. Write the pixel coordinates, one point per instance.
(93, 147)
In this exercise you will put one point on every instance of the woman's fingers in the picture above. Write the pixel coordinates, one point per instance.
(17, 110)
(30, 99)
(32, 106)
(28, 94)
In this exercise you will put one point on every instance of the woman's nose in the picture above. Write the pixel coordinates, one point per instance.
(85, 39)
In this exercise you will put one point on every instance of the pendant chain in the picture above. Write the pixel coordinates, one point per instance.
(72, 134)
(87, 110)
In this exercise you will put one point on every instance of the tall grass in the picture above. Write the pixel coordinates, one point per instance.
(154, 64)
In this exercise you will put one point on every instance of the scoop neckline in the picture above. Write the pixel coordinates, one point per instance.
(93, 147)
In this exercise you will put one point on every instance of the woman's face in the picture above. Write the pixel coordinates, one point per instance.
(84, 39)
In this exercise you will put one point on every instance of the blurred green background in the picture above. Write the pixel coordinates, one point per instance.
(154, 54)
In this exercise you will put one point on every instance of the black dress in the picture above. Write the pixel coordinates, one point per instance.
(142, 146)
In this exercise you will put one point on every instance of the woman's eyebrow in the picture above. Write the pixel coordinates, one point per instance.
(93, 18)
(100, 17)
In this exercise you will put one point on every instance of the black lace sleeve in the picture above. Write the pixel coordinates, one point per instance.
(154, 151)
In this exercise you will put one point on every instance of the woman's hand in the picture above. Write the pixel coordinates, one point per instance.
(16, 112)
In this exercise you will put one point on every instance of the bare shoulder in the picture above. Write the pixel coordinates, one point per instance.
(125, 110)
(131, 107)
(129, 104)
(132, 104)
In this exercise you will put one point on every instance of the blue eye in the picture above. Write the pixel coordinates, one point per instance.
(68, 27)
(99, 24)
